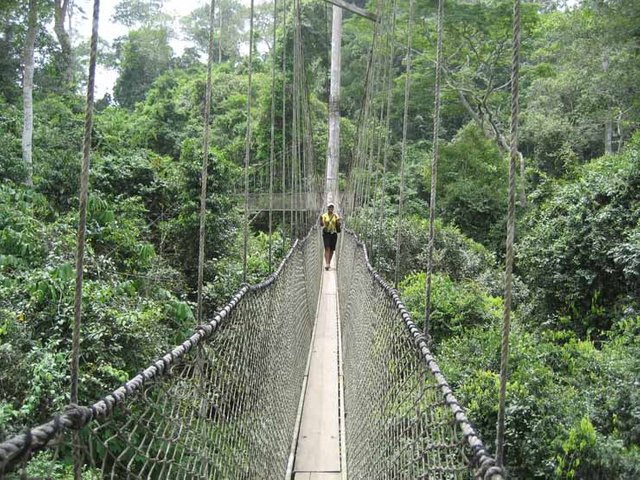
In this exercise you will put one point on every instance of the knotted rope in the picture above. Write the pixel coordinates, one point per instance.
(511, 213)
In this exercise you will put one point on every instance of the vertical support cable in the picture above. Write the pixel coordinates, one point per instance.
(387, 136)
(506, 321)
(82, 227)
(247, 151)
(434, 167)
(405, 122)
(284, 124)
(205, 165)
(272, 153)
(296, 120)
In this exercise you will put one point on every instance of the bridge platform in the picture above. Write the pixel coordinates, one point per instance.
(318, 451)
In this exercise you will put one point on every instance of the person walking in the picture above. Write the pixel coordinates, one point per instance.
(330, 222)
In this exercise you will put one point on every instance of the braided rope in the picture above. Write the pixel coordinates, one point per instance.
(506, 321)
(284, 122)
(82, 221)
(405, 124)
(272, 146)
(205, 164)
(247, 149)
(434, 167)
(482, 462)
(387, 131)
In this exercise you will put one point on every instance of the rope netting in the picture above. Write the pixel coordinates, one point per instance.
(223, 404)
(402, 419)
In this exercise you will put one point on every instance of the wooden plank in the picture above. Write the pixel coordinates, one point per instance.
(318, 449)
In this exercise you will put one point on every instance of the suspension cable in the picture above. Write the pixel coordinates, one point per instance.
(387, 136)
(205, 164)
(82, 226)
(405, 122)
(284, 124)
(247, 151)
(297, 139)
(358, 169)
(84, 195)
(434, 167)
(272, 152)
(506, 323)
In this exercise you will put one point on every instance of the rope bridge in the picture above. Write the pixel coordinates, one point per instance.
(224, 403)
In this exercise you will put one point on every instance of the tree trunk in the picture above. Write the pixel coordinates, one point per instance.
(608, 125)
(27, 92)
(333, 152)
(60, 14)
(608, 137)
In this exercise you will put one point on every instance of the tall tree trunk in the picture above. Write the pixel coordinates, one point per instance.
(608, 125)
(60, 14)
(333, 154)
(220, 33)
(27, 92)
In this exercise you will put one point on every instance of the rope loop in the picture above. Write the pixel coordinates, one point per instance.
(76, 416)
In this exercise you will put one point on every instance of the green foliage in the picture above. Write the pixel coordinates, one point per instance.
(581, 441)
(227, 275)
(144, 55)
(583, 79)
(455, 255)
(136, 12)
(455, 306)
(226, 42)
(11, 165)
(472, 186)
(554, 381)
(130, 314)
(578, 249)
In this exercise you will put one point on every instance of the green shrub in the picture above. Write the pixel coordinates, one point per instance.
(579, 251)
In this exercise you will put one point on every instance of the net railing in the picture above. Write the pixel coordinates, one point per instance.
(223, 404)
(402, 419)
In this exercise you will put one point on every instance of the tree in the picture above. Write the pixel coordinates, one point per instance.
(137, 13)
(478, 64)
(580, 250)
(144, 55)
(230, 15)
(584, 98)
(61, 9)
(27, 92)
(472, 186)
(10, 55)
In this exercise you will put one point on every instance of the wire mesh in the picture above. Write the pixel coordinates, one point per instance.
(402, 420)
(221, 405)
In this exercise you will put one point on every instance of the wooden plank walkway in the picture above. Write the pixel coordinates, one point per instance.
(317, 455)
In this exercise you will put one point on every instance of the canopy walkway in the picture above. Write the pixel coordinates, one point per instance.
(311, 374)
(228, 402)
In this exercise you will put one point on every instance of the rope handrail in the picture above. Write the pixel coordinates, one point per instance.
(20, 447)
(482, 460)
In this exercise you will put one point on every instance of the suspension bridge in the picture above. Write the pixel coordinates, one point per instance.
(312, 374)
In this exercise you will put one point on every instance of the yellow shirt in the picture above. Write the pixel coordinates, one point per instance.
(329, 222)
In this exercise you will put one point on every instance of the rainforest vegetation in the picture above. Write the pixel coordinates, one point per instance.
(574, 388)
